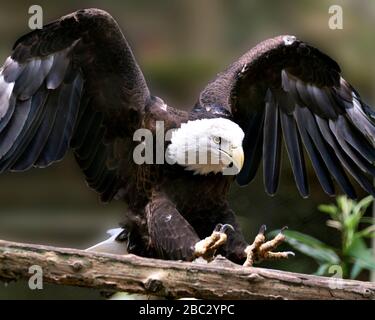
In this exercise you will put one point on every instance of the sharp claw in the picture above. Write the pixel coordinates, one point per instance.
(262, 229)
(226, 227)
(261, 250)
(207, 247)
(283, 229)
(218, 227)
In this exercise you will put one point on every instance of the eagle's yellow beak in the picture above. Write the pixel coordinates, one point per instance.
(238, 158)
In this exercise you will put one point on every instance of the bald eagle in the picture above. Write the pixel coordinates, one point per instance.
(75, 84)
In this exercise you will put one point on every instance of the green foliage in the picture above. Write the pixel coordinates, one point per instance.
(353, 255)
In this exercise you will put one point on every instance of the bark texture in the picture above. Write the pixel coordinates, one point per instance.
(220, 279)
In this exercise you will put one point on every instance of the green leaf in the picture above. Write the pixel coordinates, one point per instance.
(311, 247)
(358, 210)
(362, 254)
(367, 232)
(363, 204)
(331, 209)
(322, 270)
(356, 270)
(345, 205)
(351, 222)
(369, 220)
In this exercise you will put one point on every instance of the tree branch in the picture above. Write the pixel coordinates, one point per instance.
(217, 280)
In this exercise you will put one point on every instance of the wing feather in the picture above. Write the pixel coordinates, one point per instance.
(35, 147)
(252, 145)
(295, 153)
(66, 113)
(73, 83)
(307, 121)
(30, 127)
(346, 161)
(354, 138)
(13, 129)
(315, 107)
(271, 145)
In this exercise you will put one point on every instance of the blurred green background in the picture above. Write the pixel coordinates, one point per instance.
(180, 46)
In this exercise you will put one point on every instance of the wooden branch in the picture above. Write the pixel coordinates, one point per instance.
(217, 280)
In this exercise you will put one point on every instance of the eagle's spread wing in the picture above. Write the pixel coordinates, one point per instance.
(74, 83)
(286, 88)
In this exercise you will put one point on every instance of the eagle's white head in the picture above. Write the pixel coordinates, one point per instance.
(208, 145)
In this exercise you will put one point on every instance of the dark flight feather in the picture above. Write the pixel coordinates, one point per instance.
(11, 104)
(38, 76)
(252, 145)
(94, 156)
(50, 72)
(355, 139)
(32, 152)
(362, 163)
(295, 153)
(91, 138)
(72, 100)
(84, 125)
(306, 84)
(30, 127)
(346, 161)
(317, 161)
(65, 113)
(360, 120)
(26, 77)
(9, 135)
(271, 145)
(58, 70)
(5, 94)
(12, 70)
(306, 119)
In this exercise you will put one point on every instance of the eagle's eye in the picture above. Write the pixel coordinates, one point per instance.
(217, 140)
(288, 40)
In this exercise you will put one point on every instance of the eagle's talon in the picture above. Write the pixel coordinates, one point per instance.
(261, 249)
(218, 227)
(283, 229)
(262, 229)
(207, 247)
(225, 227)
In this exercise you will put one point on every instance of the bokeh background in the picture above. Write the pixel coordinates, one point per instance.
(180, 46)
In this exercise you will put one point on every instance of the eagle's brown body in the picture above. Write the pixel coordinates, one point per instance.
(147, 187)
(75, 84)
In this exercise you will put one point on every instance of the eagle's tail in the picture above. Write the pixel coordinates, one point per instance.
(115, 244)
